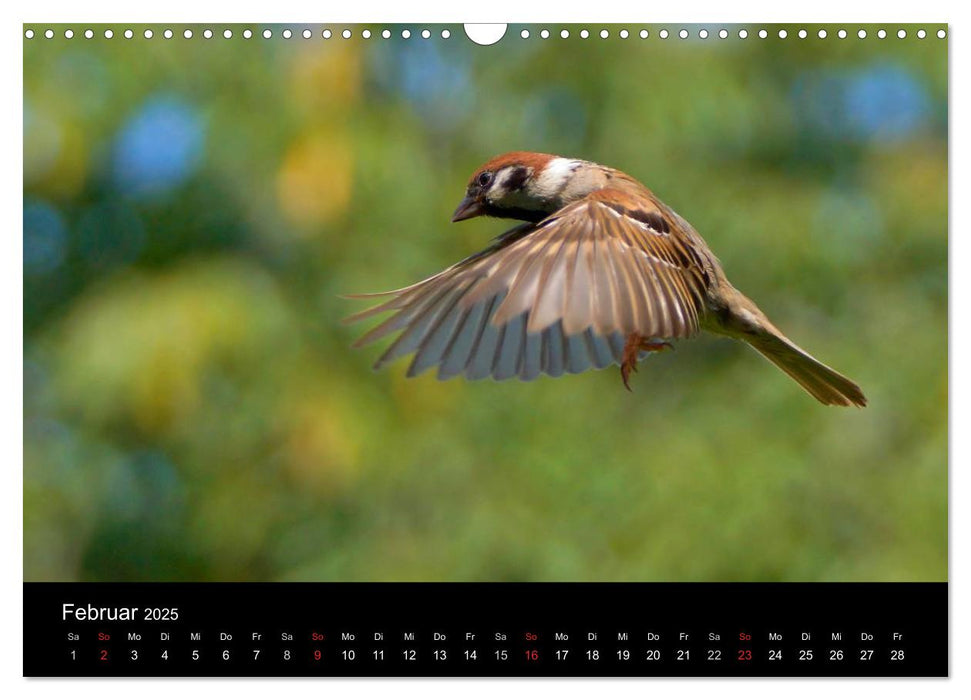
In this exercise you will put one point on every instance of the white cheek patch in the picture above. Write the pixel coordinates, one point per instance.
(554, 177)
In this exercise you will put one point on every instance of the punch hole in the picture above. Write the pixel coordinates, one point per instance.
(584, 34)
(882, 34)
(545, 34)
(366, 34)
(247, 34)
(901, 34)
(187, 34)
(446, 34)
(703, 34)
(663, 33)
(821, 34)
(29, 34)
(129, 34)
(287, 34)
(386, 34)
(306, 34)
(405, 33)
(425, 34)
(803, 34)
(921, 34)
(722, 33)
(227, 34)
(69, 34)
(267, 33)
(841, 33)
(207, 34)
(486, 34)
(168, 34)
(347, 34)
(148, 34)
(683, 34)
(861, 33)
(644, 34)
(783, 34)
(941, 33)
(524, 34)
(763, 34)
(604, 33)
(624, 34)
(564, 34)
(109, 34)
(742, 33)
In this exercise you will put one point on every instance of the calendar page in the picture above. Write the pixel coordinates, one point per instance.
(485, 350)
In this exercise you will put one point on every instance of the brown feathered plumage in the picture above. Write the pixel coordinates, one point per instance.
(601, 273)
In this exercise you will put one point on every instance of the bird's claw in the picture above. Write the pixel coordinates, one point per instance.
(634, 346)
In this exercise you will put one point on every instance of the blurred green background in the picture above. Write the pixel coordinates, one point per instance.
(193, 209)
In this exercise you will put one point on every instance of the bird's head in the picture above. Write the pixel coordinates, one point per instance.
(526, 186)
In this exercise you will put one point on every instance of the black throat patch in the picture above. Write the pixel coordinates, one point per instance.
(532, 215)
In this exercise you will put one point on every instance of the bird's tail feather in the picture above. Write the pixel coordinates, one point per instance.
(825, 384)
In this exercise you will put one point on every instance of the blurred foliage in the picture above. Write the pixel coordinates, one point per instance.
(193, 410)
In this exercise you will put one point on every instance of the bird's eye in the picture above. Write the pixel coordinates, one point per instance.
(484, 179)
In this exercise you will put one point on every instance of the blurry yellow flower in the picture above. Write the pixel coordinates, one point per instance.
(314, 182)
(325, 81)
(319, 451)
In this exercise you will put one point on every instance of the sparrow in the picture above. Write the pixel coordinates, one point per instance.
(600, 272)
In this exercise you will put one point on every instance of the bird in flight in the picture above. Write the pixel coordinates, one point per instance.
(601, 272)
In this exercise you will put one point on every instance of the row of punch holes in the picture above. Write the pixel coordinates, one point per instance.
(524, 34)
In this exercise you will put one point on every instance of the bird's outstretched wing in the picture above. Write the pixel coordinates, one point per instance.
(557, 296)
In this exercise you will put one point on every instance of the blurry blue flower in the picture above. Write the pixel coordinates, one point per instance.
(886, 102)
(45, 238)
(881, 102)
(159, 147)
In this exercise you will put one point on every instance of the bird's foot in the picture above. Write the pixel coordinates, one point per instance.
(636, 344)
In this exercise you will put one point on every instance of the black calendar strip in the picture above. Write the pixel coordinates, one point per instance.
(473, 629)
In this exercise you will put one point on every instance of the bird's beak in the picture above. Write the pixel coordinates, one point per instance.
(468, 208)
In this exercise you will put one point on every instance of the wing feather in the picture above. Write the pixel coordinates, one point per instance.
(483, 354)
(551, 288)
(553, 360)
(553, 297)
(577, 356)
(579, 299)
(418, 321)
(436, 338)
(598, 349)
(510, 352)
(460, 345)
(532, 364)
